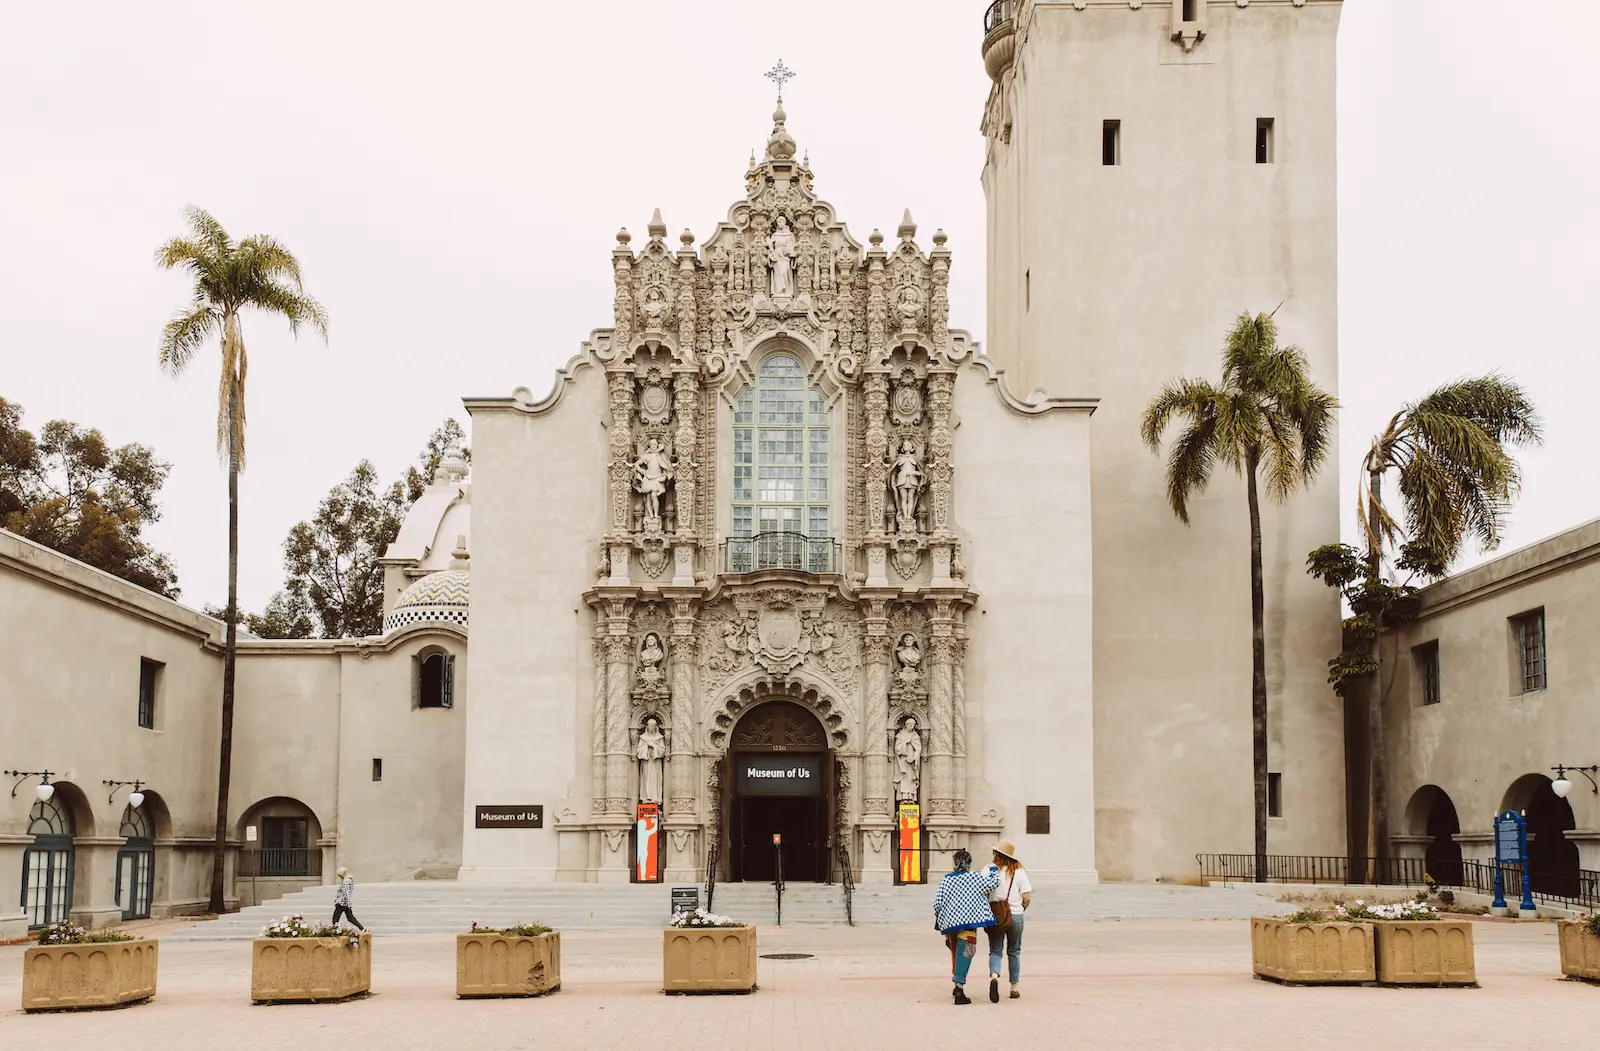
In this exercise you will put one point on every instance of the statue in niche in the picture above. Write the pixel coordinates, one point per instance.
(907, 482)
(907, 755)
(652, 755)
(908, 655)
(655, 306)
(652, 470)
(651, 654)
(781, 254)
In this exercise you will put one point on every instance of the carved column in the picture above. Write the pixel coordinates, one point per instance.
(877, 301)
(597, 742)
(958, 696)
(941, 389)
(685, 405)
(619, 757)
(682, 791)
(875, 401)
(941, 718)
(619, 536)
(939, 302)
(877, 862)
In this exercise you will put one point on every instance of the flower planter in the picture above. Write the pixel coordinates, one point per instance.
(1425, 952)
(309, 970)
(1580, 950)
(1311, 953)
(708, 959)
(507, 965)
(87, 975)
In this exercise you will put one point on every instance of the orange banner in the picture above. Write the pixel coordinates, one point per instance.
(647, 859)
(910, 843)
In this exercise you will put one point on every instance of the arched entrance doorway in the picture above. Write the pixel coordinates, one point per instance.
(136, 863)
(1431, 813)
(1552, 857)
(779, 773)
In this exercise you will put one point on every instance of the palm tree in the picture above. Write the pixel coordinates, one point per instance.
(229, 276)
(1456, 480)
(1268, 422)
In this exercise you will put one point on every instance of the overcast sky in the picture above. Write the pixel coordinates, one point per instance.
(452, 176)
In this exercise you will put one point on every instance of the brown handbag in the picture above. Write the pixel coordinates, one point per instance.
(1002, 908)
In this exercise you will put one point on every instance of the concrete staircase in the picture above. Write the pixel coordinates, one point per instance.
(450, 907)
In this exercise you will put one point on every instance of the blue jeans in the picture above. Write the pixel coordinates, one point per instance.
(961, 953)
(1008, 940)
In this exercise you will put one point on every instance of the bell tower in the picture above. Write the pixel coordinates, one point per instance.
(1153, 169)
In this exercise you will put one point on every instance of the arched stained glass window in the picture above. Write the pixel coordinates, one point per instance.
(781, 453)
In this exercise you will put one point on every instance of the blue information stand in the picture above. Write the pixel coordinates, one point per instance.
(1511, 848)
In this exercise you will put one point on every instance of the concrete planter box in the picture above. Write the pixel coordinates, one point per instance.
(708, 959)
(506, 965)
(94, 974)
(309, 970)
(1425, 952)
(1311, 953)
(1580, 950)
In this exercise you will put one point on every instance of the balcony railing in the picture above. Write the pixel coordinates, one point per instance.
(999, 13)
(795, 551)
(289, 861)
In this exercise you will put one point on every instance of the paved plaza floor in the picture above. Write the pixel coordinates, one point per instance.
(1135, 984)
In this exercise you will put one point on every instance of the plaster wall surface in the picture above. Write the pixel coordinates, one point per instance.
(1110, 280)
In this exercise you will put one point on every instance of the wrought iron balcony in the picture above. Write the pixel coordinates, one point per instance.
(999, 13)
(999, 37)
(795, 551)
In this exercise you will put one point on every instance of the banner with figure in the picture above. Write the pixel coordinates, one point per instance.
(647, 844)
(910, 843)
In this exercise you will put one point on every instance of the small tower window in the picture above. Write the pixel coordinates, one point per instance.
(1027, 290)
(1188, 10)
(1111, 142)
(1263, 140)
(149, 678)
(377, 769)
(1274, 795)
(433, 685)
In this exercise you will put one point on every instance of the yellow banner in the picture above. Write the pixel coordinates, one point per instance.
(910, 843)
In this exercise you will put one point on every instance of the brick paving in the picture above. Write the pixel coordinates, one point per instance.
(1137, 984)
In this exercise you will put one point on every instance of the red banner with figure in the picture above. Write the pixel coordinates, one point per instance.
(910, 843)
(647, 864)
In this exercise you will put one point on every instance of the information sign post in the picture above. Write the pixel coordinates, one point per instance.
(1511, 849)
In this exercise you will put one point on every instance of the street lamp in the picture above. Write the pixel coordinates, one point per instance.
(42, 791)
(1561, 785)
(135, 798)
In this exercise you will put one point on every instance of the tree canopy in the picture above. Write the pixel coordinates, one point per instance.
(70, 490)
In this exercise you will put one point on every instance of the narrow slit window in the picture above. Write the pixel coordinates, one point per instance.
(1027, 290)
(1274, 795)
(1188, 10)
(1264, 140)
(1426, 658)
(1111, 142)
(377, 769)
(1529, 632)
(149, 678)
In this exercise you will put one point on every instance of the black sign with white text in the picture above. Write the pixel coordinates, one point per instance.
(510, 816)
(778, 775)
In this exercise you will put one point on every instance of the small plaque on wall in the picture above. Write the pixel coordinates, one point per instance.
(1038, 821)
(510, 816)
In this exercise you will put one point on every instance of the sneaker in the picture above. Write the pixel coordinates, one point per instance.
(961, 996)
(994, 988)
(1016, 994)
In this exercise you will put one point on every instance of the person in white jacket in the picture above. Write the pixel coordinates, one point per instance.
(1012, 893)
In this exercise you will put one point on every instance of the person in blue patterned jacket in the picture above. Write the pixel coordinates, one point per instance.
(960, 911)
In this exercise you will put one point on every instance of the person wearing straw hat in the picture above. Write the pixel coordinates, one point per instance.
(1009, 899)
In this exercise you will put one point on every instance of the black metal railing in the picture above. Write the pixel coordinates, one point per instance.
(1553, 884)
(293, 862)
(796, 551)
(999, 13)
(777, 878)
(848, 881)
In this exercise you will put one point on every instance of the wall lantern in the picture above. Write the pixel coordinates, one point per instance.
(43, 790)
(135, 798)
(1561, 785)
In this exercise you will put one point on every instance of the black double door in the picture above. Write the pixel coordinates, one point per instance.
(797, 820)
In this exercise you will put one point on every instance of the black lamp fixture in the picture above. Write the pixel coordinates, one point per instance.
(1561, 785)
(135, 798)
(43, 790)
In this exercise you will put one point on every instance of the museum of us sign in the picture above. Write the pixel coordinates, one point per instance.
(510, 816)
(779, 775)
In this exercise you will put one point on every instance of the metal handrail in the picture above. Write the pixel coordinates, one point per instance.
(999, 13)
(777, 879)
(780, 550)
(1554, 884)
(847, 879)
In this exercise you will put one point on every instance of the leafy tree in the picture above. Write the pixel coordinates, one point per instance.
(1270, 423)
(1456, 478)
(333, 584)
(229, 277)
(69, 490)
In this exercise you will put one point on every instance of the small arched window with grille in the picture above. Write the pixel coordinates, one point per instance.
(433, 679)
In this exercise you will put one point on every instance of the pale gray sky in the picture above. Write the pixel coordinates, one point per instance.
(451, 178)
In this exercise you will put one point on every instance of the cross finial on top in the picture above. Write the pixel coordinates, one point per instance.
(778, 74)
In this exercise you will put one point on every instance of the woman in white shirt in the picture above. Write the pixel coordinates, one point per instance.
(1012, 893)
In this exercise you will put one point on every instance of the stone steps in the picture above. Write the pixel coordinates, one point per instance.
(447, 906)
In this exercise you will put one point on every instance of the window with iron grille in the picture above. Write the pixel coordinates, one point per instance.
(149, 678)
(1528, 630)
(781, 453)
(1426, 660)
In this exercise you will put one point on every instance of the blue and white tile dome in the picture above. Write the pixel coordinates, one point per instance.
(438, 598)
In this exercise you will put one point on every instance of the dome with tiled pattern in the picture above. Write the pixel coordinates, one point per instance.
(438, 598)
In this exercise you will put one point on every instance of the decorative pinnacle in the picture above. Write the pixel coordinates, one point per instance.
(778, 74)
(908, 227)
(657, 227)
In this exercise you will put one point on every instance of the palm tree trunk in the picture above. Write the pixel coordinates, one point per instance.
(229, 654)
(1375, 749)
(1258, 673)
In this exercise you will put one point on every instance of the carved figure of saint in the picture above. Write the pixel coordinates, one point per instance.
(650, 656)
(907, 483)
(781, 253)
(651, 473)
(907, 756)
(652, 754)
